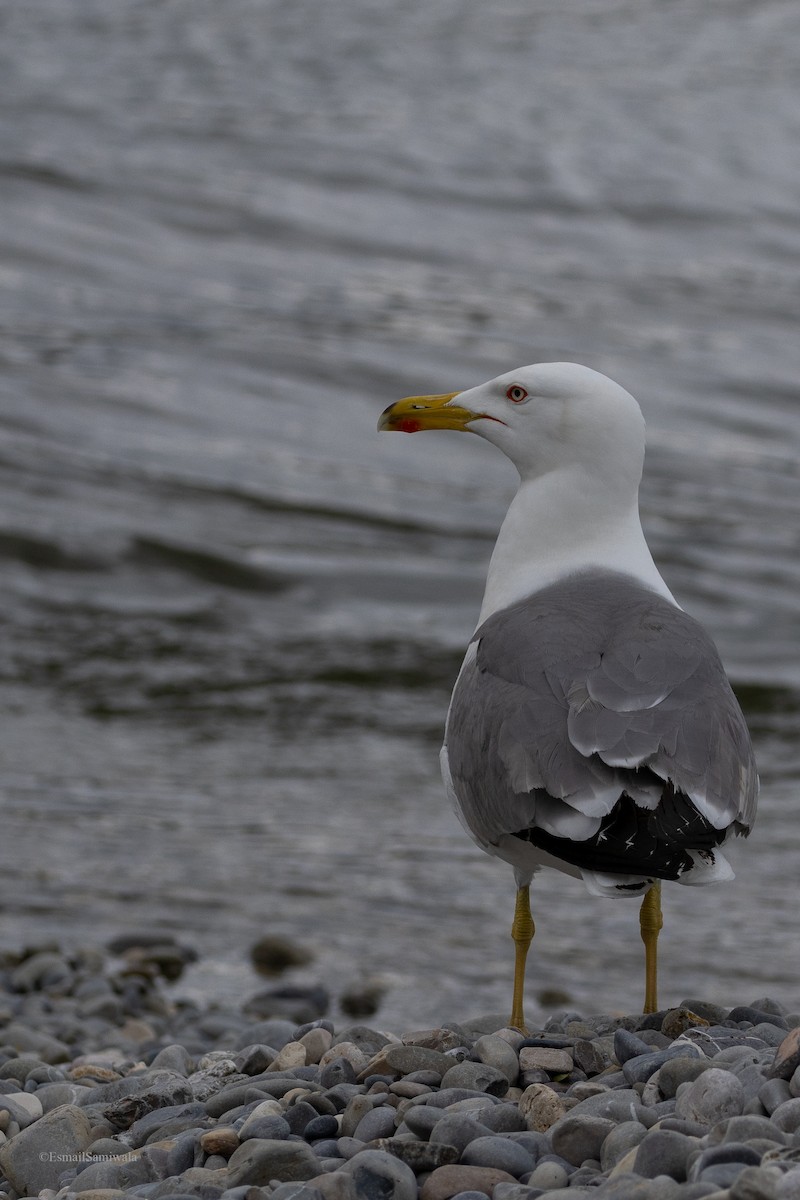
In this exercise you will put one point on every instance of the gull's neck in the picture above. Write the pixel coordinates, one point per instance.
(560, 523)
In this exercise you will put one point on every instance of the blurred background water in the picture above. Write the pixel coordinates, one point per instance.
(232, 614)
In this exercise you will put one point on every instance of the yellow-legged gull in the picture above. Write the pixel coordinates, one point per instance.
(592, 727)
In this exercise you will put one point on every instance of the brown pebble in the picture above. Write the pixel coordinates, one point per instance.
(317, 1042)
(293, 1054)
(223, 1140)
(678, 1020)
(409, 1091)
(544, 1058)
(445, 1182)
(787, 1056)
(541, 1107)
(104, 1074)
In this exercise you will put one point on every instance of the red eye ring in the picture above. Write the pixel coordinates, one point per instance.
(516, 394)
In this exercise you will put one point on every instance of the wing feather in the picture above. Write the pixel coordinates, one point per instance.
(593, 689)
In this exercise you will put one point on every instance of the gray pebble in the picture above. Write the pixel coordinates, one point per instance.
(376, 1174)
(458, 1130)
(479, 1077)
(618, 1104)
(676, 1071)
(321, 1127)
(173, 1058)
(786, 1116)
(267, 1126)
(370, 1041)
(341, 1094)
(349, 1147)
(379, 1123)
(640, 1068)
(409, 1059)
(340, 1070)
(173, 1119)
(627, 1045)
(620, 1140)
(664, 1152)
(421, 1119)
(183, 1153)
(589, 1057)
(773, 1093)
(502, 1118)
(581, 1137)
(747, 1128)
(498, 1152)
(496, 1052)
(117, 1175)
(299, 1115)
(37, 1043)
(548, 1176)
(355, 1111)
(731, 1152)
(715, 1014)
(34, 1158)
(714, 1096)
(253, 1059)
(755, 1016)
(258, 1161)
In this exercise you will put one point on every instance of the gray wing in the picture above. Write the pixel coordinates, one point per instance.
(593, 693)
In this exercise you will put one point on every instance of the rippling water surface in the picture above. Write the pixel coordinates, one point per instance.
(231, 613)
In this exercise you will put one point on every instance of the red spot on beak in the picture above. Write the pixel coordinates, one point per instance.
(409, 425)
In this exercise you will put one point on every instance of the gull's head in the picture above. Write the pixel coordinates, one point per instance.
(543, 417)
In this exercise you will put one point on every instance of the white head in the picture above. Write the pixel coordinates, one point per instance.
(577, 440)
(544, 417)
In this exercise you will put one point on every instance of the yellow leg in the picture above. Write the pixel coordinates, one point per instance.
(650, 922)
(522, 931)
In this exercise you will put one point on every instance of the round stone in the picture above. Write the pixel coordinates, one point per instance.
(627, 1045)
(786, 1116)
(496, 1052)
(548, 1176)
(421, 1119)
(541, 1107)
(458, 1130)
(664, 1152)
(477, 1077)
(321, 1127)
(380, 1123)
(446, 1182)
(677, 1071)
(623, 1138)
(264, 1125)
(714, 1096)
(378, 1174)
(338, 1070)
(258, 1161)
(498, 1152)
(578, 1138)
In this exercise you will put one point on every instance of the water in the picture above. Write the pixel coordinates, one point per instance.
(232, 613)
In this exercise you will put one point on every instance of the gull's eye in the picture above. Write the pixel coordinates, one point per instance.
(516, 394)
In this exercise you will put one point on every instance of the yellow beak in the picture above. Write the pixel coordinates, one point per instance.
(426, 412)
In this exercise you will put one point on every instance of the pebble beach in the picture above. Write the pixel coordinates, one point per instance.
(111, 1086)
